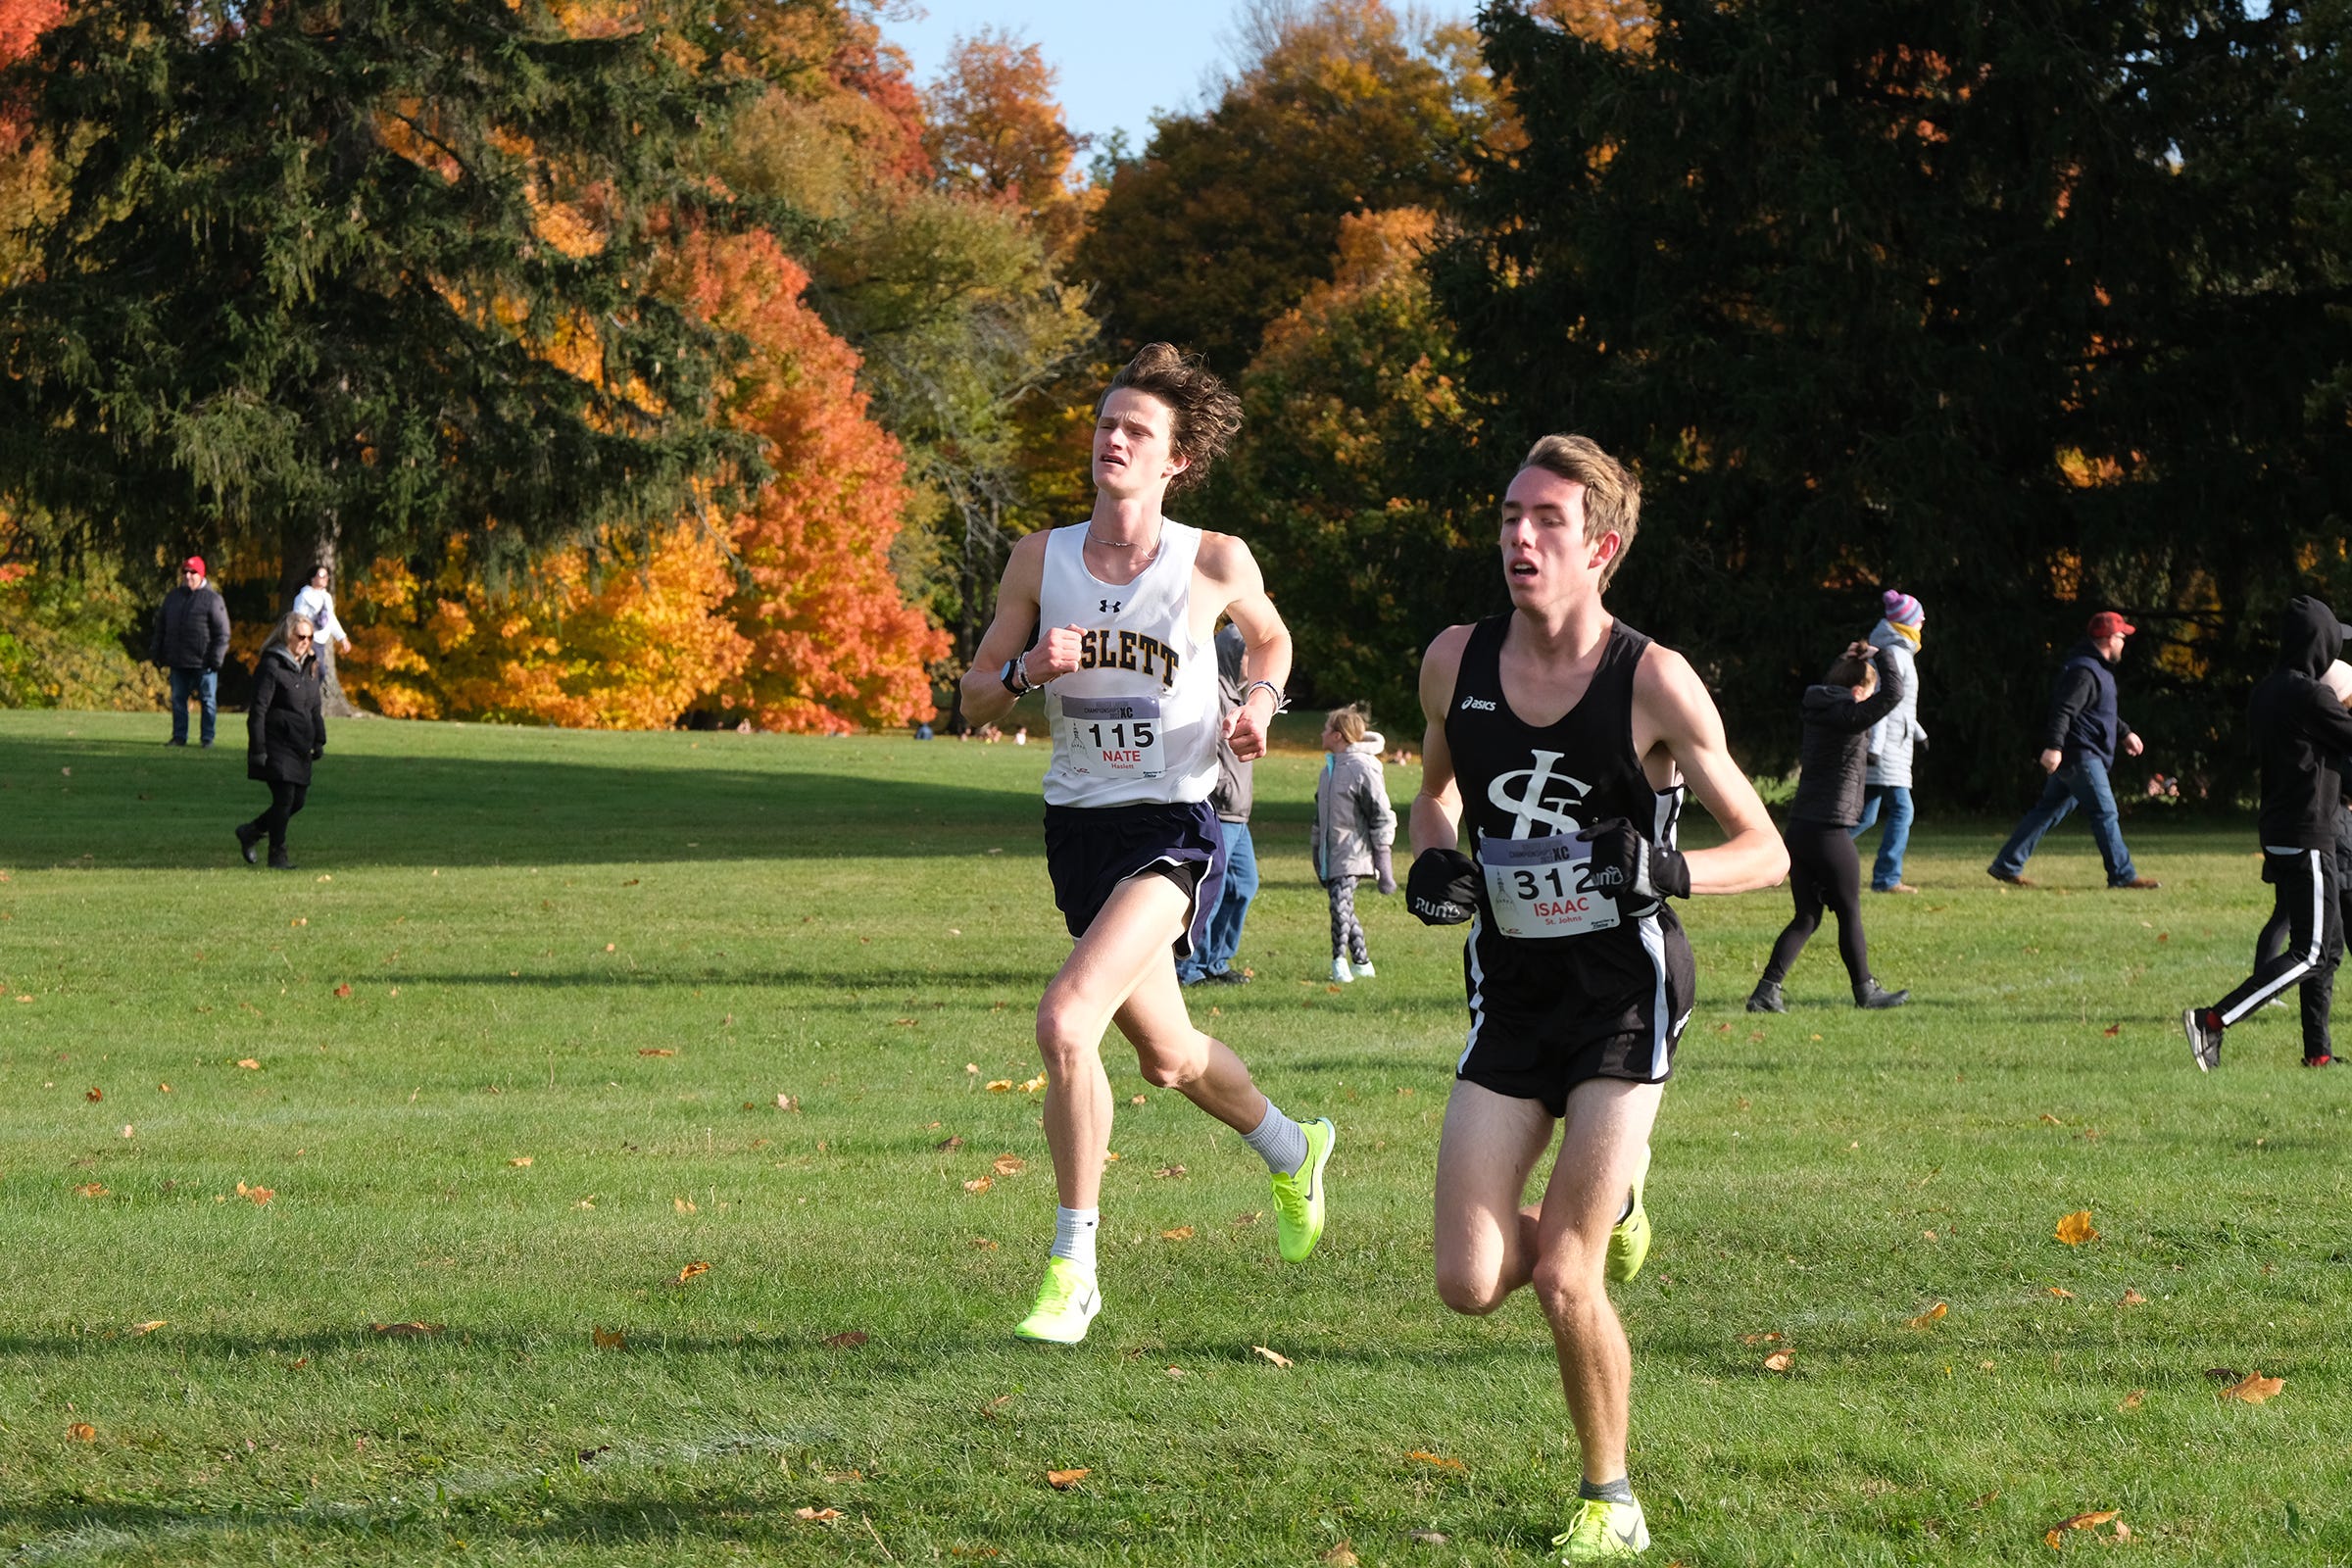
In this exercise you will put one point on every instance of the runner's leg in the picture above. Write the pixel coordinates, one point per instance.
(1608, 1127)
(1173, 1055)
(1486, 1236)
(1133, 936)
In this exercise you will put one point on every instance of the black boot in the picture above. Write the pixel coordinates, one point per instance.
(1766, 997)
(277, 859)
(1874, 996)
(248, 836)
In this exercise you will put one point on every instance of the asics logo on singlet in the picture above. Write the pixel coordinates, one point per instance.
(1476, 705)
(1538, 801)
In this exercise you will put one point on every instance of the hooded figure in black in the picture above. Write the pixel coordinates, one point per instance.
(2300, 729)
(285, 732)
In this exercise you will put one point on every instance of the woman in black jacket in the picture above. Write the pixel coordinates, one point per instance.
(1862, 687)
(285, 732)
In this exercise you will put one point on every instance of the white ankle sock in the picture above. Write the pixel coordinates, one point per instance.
(1074, 1234)
(1279, 1141)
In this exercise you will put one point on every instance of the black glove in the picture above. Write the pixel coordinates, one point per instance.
(1441, 888)
(1628, 866)
(317, 752)
(1383, 869)
(256, 762)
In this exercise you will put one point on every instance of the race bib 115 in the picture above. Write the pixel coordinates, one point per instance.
(1111, 737)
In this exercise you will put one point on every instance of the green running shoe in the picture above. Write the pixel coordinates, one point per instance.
(1299, 1197)
(1604, 1532)
(1628, 1239)
(1066, 1302)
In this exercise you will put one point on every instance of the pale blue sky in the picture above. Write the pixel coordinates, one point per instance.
(1118, 63)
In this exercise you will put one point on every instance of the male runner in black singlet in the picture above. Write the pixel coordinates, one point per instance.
(1561, 739)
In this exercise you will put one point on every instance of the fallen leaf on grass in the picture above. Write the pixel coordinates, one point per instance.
(2082, 1521)
(609, 1338)
(1000, 1086)
(1779, 1360)
(837, 1477)
(822, 1516)
(2075, 1229)
(1437, 1459)
(2222, 1374)
(983, 1243)
(90, 1190)
(256, 1196)
(1182, 1233)
(692, 1271)
(519, 1160)
(2051, 1121)
(1427, 1538)
(94, 1092)
(1176, 1372)
(82, 1432)
(991, 1409)
(403, 1331)
(846, 1340)
(1243, 1221)
(1275, 1356)
(249, 1064)
(1934, 1314)
(1166, 1171)
(2132, 1401)
(901, 1023)
(1064, 1480)
(1757, 1339)
(2062, 1293)
(788, 1102)
(150, 1326)
(1034, 1085)
(684, 1205)
(1987, 1500)
(2132, 1297)
(1008, 1166)
(1341, 1556)
(2112, 1030)
(954, 1141)
(2254, 1388)
(979, 1183)
(656, 1051)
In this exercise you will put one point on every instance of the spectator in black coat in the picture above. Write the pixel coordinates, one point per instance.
(1863, 686)
(190, 639)
(285, 732)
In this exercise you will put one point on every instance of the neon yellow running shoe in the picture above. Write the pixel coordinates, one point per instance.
(1604, 1532)
(1628, 1239)
(1299, 1197)
(1066, 1302)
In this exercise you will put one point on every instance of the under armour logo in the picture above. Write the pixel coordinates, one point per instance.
(1108, 607)
(1476, 705)
(1531, 804)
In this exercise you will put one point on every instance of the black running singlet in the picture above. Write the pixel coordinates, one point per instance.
(1520, 782)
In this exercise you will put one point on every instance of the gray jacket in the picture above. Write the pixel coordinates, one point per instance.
(1352, 815)
(1892, 738)
(1231, 800)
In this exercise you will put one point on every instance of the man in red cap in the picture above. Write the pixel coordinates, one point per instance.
(190, 640)
(2078, 750)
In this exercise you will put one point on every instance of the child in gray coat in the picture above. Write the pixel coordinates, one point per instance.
(1355, 827)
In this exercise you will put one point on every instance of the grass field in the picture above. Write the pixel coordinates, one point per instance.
(506, 1057)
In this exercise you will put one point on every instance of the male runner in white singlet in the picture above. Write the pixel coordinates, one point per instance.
(1125, 607)
(1561, 739)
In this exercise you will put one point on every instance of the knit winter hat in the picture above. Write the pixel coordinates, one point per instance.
(1903, 609)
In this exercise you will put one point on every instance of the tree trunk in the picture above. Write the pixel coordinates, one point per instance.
(305, 552)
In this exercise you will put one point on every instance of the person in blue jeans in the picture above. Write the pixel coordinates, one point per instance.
(1213, 960)
(2079, 746)
(190, 641)
(1887, 779)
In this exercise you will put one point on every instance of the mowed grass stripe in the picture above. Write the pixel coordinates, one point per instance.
(826, 921)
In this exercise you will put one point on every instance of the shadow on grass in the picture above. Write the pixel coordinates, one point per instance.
(100, 805)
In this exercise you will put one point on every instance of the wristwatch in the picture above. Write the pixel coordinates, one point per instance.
(1016, 676)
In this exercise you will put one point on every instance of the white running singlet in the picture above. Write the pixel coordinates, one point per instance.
(1139, 718)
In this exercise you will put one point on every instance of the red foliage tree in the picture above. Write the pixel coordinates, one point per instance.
(834, 646)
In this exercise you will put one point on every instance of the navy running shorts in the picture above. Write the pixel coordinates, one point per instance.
(1090, 851)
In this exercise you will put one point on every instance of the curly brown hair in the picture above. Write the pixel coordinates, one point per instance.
(1205, 415)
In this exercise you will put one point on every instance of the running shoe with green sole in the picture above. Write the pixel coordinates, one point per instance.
(1604, 1532)
(1066, 1302)
(1628, 1239)
(1299, 1197)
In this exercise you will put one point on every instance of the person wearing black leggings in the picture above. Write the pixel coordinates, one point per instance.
(286, 733)
(1863, 686)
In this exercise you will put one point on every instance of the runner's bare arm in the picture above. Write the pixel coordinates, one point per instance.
(1228, 565)
(985, 699)
(1673, 710)
(1436, 820)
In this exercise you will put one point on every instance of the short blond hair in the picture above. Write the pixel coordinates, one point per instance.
(1612, 495)
(1350, 721)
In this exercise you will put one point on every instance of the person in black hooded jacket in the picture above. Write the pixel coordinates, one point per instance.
(285, 732)
(1824, 871)
(2300, 728)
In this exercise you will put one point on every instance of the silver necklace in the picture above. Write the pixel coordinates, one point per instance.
(1119, 544)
